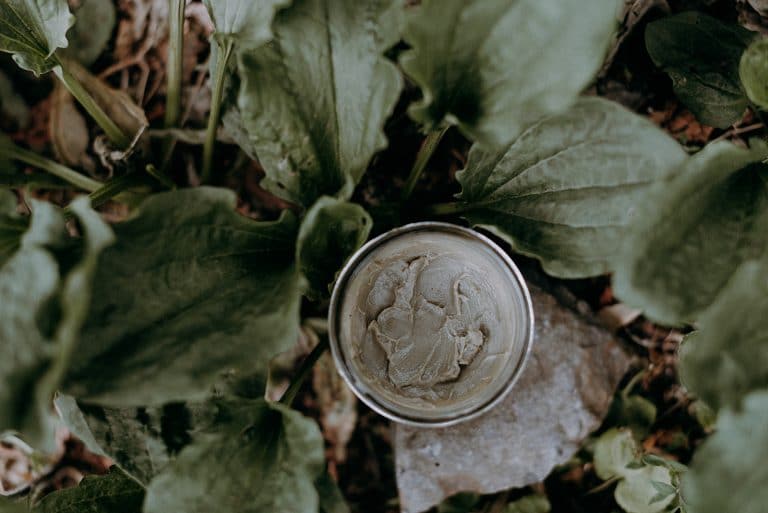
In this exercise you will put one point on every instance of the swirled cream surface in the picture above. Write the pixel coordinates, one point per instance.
(433, 323)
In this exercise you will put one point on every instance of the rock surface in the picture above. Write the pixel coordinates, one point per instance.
(562, 396)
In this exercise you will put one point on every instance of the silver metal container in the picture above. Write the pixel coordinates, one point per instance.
(430, 324)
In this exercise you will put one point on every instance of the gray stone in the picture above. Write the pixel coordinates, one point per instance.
(562, 396)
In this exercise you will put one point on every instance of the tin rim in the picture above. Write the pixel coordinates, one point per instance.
(344, 368)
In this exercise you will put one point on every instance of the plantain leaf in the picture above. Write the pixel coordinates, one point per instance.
(719, 204)
(701, 55)
(494, 67)
(246, 22)
(315, 99)
(44, 302)
(753, 72)
(112, 493)
(566, 190)
(32, 30)
(259, 457)
(190, 290)
(728, 472)
(728, 357)
(331, 231)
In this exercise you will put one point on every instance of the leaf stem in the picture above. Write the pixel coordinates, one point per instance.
(114, 188)
(222, 60)
(175, 62)
(114, 133)
(446, 209)
(33, 159)
(304, 370)
(428, 147)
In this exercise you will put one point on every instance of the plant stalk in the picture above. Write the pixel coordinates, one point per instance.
(304, 370)
(175, 62)
(114, 133)
(33, 159)
(422, 159)
(222, 60)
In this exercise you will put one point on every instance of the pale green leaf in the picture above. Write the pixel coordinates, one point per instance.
(566, 190)
(191, 289)
(494, 67)
(638, 493)
(728, 356)
(728, 473)
(701, 55)
(331, 231)
(692, 232)
(529, 504)
(258, 458)
(32, 30)
(246, 22)
(94, 24)
(614, 450)
(753, 71)
(114, 492)
(315, 99)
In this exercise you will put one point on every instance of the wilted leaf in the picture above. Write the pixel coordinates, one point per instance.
(638, 493)
(315, 99)
(753, 71)
(32, 30)
(701, 55)
(94, 23)
(529, 504)
(495, 67)
(41, 317)
(566, 190)
(191, 289)
(614, 450)
(259, 457)
(68, 129)
(692, 232)
(728, 356)
(728, 472)
(331, 231)
(111, 493)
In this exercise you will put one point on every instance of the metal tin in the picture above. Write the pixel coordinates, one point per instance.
(469, 304)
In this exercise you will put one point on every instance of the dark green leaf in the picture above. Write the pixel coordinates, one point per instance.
(261, 457)
(634, 412)
(32, 30)
(111, 493)
(495, 67)
(692, 232)
(94, 23)
(331, 231)
(191, 289)
(728, 473)
(459, 503)
(331, 499)
(529, 504)
(728, 356)
(701, 55)
(566, 190)
(753, 71)
(314, 100)
(13, 506)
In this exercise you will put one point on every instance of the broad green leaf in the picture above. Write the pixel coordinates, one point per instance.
(191, 289)
(12, 226)
(728, 356)
(330, 496)
(94, 23)
(728, 473)
(638, 491)
(315, 99)
(692, 232)
(43, 310)
(258, 457)
(32, 30)
(701, 55)
(529, 504)
(331, 231)
(753, 71)
(567, 188)
(494, 67)
(114, 492)
(614, 450)
(633, 411)
(246, 22)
